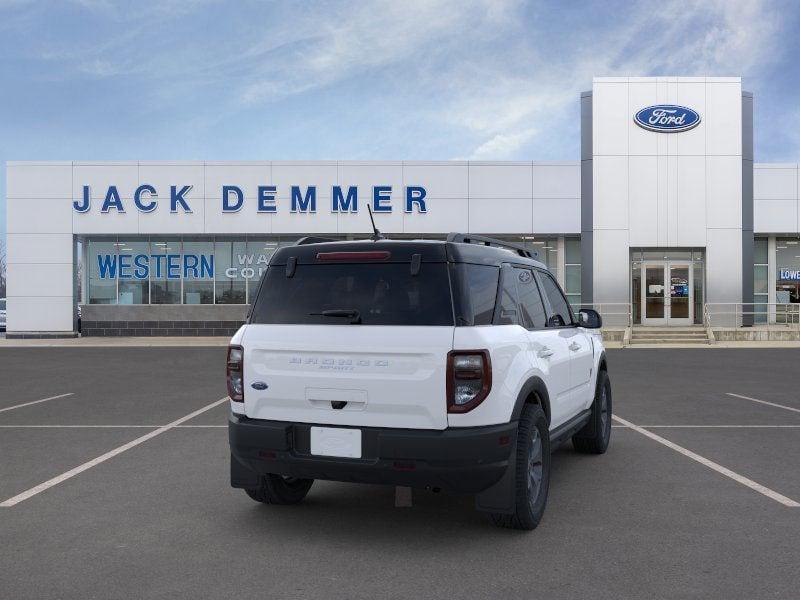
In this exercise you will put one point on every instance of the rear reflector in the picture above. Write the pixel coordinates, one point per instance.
(367, 255)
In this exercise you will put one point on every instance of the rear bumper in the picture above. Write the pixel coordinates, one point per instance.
(463, 460)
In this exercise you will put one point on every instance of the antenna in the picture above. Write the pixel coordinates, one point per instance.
(376, 234)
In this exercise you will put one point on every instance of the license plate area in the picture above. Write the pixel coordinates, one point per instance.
(336, 441)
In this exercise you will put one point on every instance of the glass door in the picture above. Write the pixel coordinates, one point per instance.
(667, 293)
(680, 294)
(654, 294)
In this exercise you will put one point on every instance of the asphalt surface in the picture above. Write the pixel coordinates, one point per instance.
(159, 520)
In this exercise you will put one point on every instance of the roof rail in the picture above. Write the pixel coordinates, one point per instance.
(468, 238)
(313, 239)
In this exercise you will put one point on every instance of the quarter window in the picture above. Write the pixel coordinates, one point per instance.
(558, 304)
(530, 300)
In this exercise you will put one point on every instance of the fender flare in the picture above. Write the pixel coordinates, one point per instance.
(602, 363)
(534, 385)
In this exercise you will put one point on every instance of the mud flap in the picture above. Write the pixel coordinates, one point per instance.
(501, 497)
(242, 476)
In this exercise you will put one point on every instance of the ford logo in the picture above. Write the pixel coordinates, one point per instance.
(668, 118)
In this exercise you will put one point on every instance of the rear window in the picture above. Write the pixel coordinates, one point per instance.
(476, 293)
(380, 294)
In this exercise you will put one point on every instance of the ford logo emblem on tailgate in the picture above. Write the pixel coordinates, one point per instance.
(259, 385)
(667, 118)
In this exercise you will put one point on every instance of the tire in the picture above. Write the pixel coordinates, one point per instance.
(532, 479)
(596, 434)
(275, 489)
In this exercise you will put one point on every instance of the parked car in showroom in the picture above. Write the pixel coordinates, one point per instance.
(455, 365)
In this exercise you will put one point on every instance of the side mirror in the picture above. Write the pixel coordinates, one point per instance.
(589, 318)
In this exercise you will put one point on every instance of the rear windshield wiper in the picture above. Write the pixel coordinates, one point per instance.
(351, 313)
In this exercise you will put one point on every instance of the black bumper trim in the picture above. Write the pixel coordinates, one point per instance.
(458, 460)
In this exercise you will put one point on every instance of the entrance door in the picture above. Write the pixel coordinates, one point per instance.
(666, 294)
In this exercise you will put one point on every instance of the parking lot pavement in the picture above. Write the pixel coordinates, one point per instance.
(160, 520)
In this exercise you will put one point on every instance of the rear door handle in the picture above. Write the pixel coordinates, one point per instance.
(545, 352)
(574, 346)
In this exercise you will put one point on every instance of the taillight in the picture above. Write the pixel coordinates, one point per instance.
(235, 373)
(469, 379)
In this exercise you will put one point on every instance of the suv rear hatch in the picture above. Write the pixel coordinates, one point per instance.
(351, 334)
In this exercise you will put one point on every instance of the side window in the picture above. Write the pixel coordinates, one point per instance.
(530, 300)
(558, 303)
(507, 301)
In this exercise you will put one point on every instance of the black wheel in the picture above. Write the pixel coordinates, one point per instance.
(276, 489)
(596, 434)
(533, 471)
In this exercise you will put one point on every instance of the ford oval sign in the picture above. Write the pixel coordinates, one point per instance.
(667, 118)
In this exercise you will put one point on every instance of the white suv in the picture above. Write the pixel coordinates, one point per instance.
(454, 365)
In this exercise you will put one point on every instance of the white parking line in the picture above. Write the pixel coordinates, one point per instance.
(104, 457)
(712, 426)
(712, 465)
(36, 402)
(797, 410)
(111, 426)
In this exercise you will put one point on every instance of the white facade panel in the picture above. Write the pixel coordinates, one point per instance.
(247, 177)
(557, 180)
(42, 279)
(99, 177)
(775, 216)
(611, 118)
(611, 266)
(95, 221)
(50, 215)
(724, 191)
(322, 175)
(556, 215)
(610, 192)
(245, 220)
(724, 265)
(778, 182)
(643, 200)
(691, 205)
(492, 215)
(33, 248)
(723, 119)
(38, 180)
(39, 313)
(641, 94)
(441, 180)
(451, 214)
(501, 180)
(693, 95)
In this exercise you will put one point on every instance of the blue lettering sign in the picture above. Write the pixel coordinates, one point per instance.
(342, 203)
(227, 190)
(266, 198)
(177, 197)
(112, 200)
(415, 195)
(107, 265)
(142, 270)
(307, 203)
(138, 200)
(785, 274)
(84, 206)
(380, 195)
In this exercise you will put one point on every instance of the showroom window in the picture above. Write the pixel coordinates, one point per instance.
(101, 275)
(572, 271)
(133, 272)
(787, 270)
(230, 285)
(761, 279)
(197, 271)
(165, 271)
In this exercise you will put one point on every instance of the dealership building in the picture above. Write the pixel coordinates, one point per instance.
(664, 215)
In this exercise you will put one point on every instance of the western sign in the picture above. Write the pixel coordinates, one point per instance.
(302, 199)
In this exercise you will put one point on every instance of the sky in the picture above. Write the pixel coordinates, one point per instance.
(370, 79)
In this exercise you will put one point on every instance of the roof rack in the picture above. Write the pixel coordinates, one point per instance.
(468, 238)
(312, 239)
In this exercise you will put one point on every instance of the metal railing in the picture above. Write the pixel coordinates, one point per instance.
(767, 315)
(615, 314)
